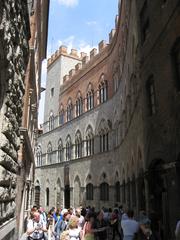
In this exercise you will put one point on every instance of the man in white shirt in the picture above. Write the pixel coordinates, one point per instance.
(36, 228)
(129, 226)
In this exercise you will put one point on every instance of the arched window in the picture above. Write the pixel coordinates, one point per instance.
(60, 151)
(49, 153)
(89, 141)
(69, 110)
(176, 62)
(61, 116)
(78, 145)
(90, 98)
(68, 148)
(39, 156)
(104, 192)
(117, 191)
(89, 191)
(47, 197)
(51, 121)
(79, 105)
(103, 129)
(103, 90)
(104, 142)
(37, 194)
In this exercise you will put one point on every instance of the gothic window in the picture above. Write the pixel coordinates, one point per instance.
(104, 192)
(51, 121)
(89, 141)
(104, 141)
(90, 100)
(39, 156)
(47, 197)
(61, 116)
(79, 105)
(103, 90)
(69, 110)
(89, 191)
(68, 148)
(151, 96)
(117, 191)
(78, 145)
(49, 153)
(144, 22)
(104, 135)
(60, 151)
(176, 62)
(37, 194)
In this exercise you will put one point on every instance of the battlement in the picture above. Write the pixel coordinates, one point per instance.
(82, 56)
(63, 51)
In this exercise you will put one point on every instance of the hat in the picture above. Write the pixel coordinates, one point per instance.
(64, 211)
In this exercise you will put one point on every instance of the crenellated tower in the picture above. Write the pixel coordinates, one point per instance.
(58, 65)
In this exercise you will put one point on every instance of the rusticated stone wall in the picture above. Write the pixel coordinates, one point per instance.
(14, 36)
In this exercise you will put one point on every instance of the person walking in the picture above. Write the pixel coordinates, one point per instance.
(129, 226)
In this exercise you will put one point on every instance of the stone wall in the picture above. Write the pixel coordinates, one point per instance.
(14, 36)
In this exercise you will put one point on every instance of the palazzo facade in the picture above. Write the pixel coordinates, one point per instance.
(111, 122)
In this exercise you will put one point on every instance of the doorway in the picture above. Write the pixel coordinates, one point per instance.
(67, 196)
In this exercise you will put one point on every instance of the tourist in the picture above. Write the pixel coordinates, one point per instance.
(74, 231)
(129, 226)
(35, 228)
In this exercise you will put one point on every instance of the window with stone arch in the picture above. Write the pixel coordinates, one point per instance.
(79, 105)
(90, 97)
(61, 115)
(176, 62)
(39, 156)
(89, 141)
(68, 148)
(49, 153)
(103, 89)
(89, 191)
(78, 145)
(104, 135)
(69, 110)
(37, 193)
(51, 121)
(104, 191)
(60, 151)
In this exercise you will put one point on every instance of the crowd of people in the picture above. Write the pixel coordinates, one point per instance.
(88, 224)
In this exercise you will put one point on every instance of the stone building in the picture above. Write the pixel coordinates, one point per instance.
(111, 136)
(23, 34)
(38, 11)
